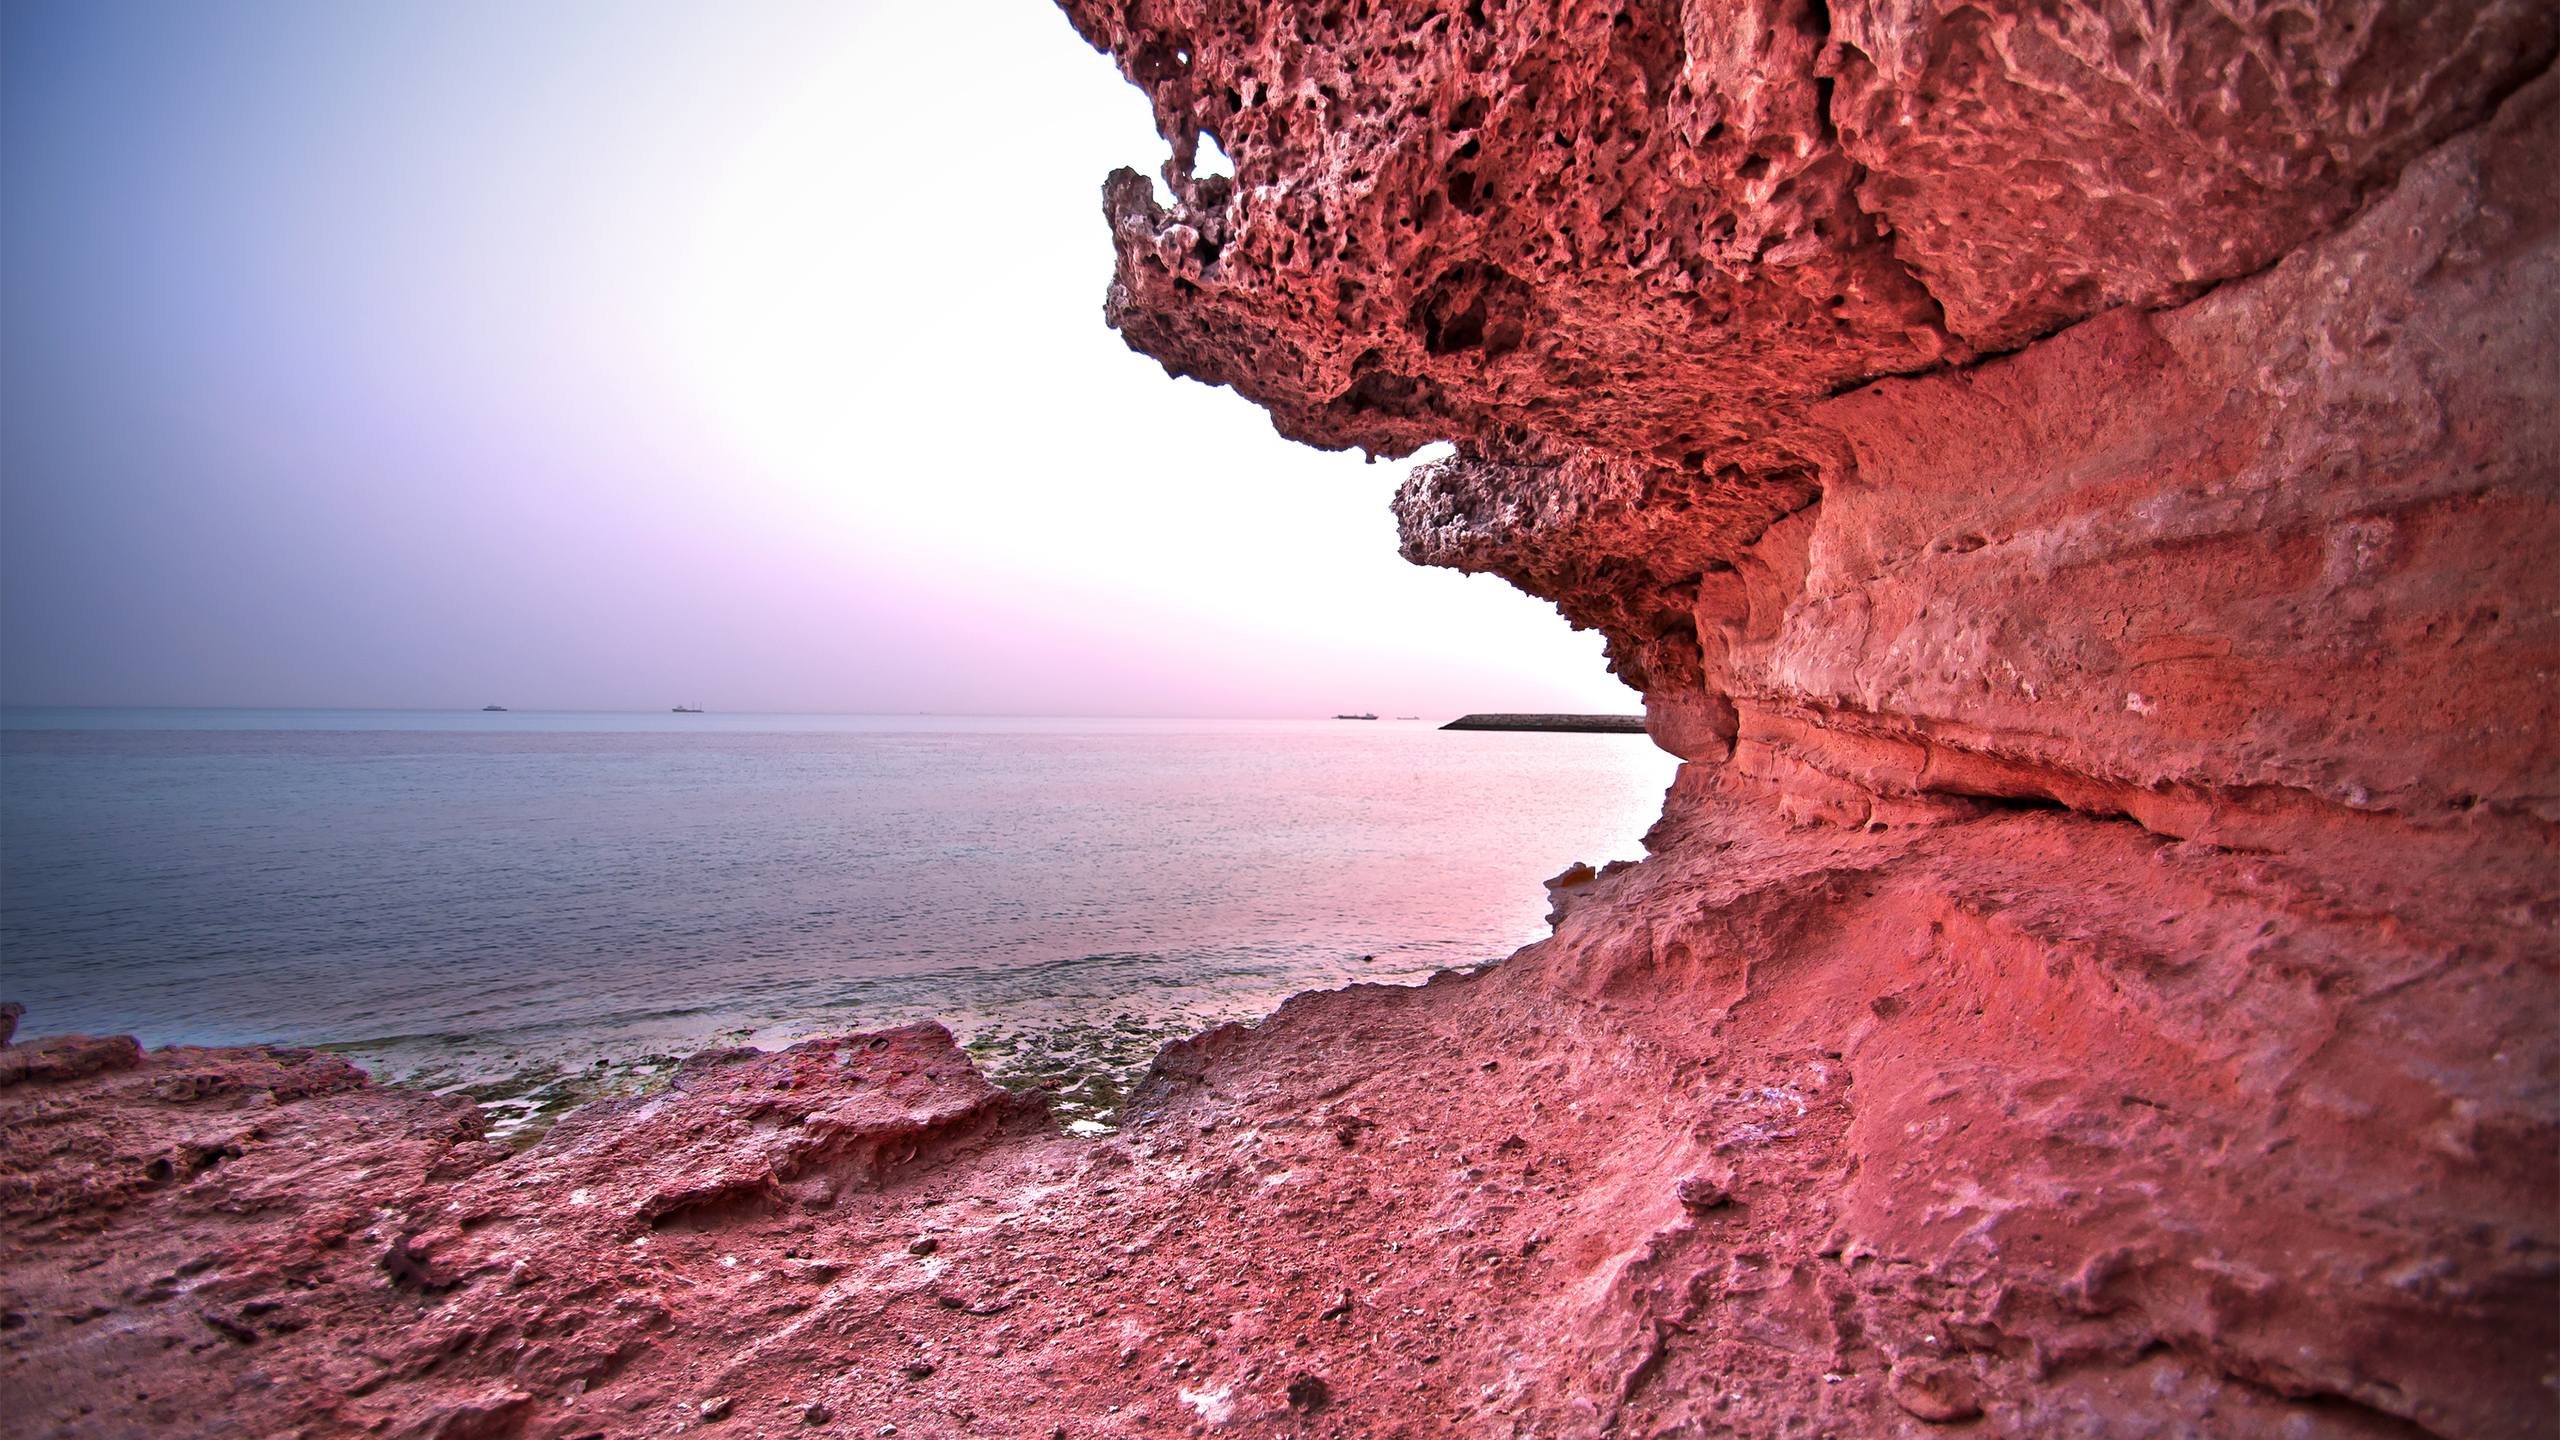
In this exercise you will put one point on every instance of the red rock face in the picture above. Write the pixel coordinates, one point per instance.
(2078, 488)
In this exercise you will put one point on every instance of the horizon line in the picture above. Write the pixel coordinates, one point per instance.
(837, 714)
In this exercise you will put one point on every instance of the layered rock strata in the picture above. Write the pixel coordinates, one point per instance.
(2077, 486)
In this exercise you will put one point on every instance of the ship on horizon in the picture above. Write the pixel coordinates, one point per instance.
(1371, 716)
(688, 710)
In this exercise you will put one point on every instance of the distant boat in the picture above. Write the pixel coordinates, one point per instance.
(493, 709)
(1408, 717)
(1355, 717)
(688, 710)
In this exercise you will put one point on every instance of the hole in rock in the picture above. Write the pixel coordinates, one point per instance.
(1473, 307)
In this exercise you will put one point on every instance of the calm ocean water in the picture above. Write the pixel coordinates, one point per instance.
(536, 907)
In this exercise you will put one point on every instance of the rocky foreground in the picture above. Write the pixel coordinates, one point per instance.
(2076, 484)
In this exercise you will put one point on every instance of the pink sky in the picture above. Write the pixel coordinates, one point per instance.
(602, 355)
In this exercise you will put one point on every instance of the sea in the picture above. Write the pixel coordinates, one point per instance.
(536, 909)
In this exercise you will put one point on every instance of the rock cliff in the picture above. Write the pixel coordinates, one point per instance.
(2059, 431)
(2074, 482)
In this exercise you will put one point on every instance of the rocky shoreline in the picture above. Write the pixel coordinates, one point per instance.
(2077, 490)
(1082, 1070)
(1655, 1171)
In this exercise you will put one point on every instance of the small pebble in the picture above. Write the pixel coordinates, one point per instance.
(1309, 1394)
(923, 1245)
(715, 1408)
(1700, 1193)
(817, 1413)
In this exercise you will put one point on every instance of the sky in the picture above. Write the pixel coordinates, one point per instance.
(612, 354)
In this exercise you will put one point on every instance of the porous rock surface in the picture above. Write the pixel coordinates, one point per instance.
(2075, 482)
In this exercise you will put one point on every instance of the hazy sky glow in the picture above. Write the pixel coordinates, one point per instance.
(603, 355)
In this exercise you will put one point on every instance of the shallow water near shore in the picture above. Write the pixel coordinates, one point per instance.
(539, 908)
